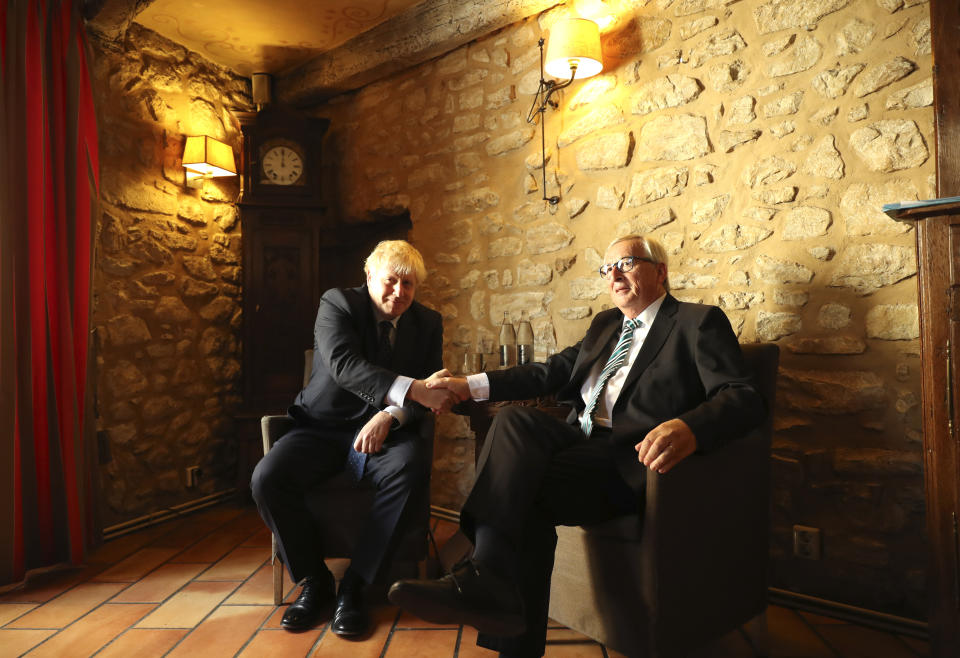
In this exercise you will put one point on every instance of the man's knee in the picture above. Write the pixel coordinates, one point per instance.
(514, 425)
(411, 468)
(264, 480)
(517, 415)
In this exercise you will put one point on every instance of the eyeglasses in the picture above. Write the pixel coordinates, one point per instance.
(625, 264)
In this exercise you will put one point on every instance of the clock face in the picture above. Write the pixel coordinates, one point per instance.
(281, 165)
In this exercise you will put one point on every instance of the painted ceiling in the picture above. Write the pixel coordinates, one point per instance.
(270, 36)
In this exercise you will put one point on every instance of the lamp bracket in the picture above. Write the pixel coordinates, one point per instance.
(541, 100)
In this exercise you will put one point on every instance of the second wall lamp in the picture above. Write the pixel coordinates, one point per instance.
(573, 54)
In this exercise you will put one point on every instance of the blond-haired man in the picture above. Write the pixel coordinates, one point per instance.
(374, 347)
(651, 382)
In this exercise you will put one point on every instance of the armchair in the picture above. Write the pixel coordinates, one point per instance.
(340, 507)
(693, 565)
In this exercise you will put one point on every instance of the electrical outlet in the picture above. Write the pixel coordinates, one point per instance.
(806, 542)
(193, 476)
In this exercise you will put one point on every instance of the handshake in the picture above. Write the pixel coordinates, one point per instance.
(440, 391)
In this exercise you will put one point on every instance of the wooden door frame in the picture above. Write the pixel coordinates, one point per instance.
(938, 286)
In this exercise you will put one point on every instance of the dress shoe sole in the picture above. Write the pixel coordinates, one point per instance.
(502, 624)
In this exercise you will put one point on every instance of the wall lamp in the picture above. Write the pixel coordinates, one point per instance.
(574, 51)
(205, 157)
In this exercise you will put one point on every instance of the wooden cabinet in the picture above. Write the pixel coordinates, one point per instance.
(938, 242)
(938, 248)
(281, 291)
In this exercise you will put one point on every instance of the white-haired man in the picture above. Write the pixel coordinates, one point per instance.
(651, 382)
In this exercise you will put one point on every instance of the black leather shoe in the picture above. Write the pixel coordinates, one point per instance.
(315, 597)
(470, 594)
(350, 618)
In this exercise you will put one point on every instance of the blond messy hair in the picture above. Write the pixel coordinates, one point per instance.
(401, 256)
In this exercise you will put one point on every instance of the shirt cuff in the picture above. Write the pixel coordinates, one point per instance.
(398, 391)
(400, 415)
(479, 386)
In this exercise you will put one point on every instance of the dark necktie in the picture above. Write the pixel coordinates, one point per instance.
(384, 348)
(614, 363)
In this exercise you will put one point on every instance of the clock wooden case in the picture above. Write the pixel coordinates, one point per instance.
(282, 158)
(283, 217)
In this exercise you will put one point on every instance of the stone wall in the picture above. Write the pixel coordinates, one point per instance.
(757, 141)
(167, 277)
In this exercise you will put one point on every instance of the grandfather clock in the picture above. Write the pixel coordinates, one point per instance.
(282, 211)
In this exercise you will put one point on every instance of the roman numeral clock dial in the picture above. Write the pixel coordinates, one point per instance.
(281, 165)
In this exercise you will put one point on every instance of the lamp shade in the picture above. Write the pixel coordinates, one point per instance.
(574, 44)
(208, 157)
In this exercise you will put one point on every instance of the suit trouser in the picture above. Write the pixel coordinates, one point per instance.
(537, 472)
(305, 457)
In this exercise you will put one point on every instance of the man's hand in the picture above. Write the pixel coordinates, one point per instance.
(457, 385)
(665, 445)
(438, 400)
(371, 436)
(437, 375)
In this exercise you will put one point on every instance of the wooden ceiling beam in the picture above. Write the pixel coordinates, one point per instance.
(425, 31)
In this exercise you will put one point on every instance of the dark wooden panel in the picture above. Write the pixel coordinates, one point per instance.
(281, 293)
(938, 244)
(945, 34)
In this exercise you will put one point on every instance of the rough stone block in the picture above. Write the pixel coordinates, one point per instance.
(773, 326)
(655, 184)
(867, 267)
(609, 151)
(669, 91)
(602, 117)
(804, 222)
(883, 74)
(833, 392)
(890, 145)
(674, 137)
(771, 169)
(733, 237)
(723, 43)
(893, 322)
(771, 270)
(803, 55)
(861, 204)
(778, 15)
(547, 238)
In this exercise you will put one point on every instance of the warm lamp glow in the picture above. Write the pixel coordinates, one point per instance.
(205, 157)
(596, 10)
(574, 49)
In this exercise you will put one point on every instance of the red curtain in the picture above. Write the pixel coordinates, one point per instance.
(48, 190)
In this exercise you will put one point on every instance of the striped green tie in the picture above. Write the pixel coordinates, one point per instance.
(614, 363)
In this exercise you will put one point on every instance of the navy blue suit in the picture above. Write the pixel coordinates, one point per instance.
(346, 388)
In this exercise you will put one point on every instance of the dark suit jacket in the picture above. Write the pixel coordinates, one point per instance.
(690, 367)
(345, 387)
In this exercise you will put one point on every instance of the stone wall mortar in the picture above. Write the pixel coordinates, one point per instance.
(166, 309)
(757, 141)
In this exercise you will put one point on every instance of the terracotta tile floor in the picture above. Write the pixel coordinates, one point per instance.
(201, 586)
